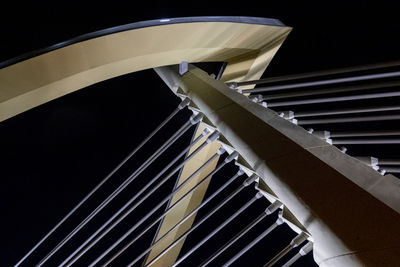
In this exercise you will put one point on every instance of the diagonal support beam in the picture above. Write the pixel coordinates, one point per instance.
(351, 211)
(184, 207)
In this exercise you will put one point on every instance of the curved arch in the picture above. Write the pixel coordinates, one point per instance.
(246, 44)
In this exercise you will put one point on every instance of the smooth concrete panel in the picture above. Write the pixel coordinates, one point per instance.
(188, 204)
(37, 80)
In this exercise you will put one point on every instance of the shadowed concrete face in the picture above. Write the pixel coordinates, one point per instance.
(334, 196)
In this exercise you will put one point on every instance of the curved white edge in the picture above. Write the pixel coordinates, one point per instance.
(138, 25)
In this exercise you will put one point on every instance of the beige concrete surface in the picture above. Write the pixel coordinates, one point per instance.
(187, 205)
(247, 48)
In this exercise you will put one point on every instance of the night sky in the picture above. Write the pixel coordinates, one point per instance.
(52, 155)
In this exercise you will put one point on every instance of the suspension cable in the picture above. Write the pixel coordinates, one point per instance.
(193, 120)
(183, 104)
(165, 200)
(219, 228)
(269, 210)
(126, 213)
(332, 99)
(320, 73)
(345, 111)
(208, 215)
(300, 238)
(302, 252)
(325, 91)
(255, 241)
(325, 82)
(349, 119)
(207, 200)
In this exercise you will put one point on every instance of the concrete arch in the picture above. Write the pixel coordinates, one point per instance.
(246, 44)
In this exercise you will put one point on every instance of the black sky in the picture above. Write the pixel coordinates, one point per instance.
(52, 155)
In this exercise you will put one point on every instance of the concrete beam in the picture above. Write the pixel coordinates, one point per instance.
(189, 203)
(351, 211)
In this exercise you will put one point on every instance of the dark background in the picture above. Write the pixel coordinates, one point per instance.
(52, 155)
(325, 34)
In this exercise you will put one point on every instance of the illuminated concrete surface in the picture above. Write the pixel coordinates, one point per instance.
(247, 48)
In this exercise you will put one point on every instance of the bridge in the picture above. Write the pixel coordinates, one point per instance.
(288, 139)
